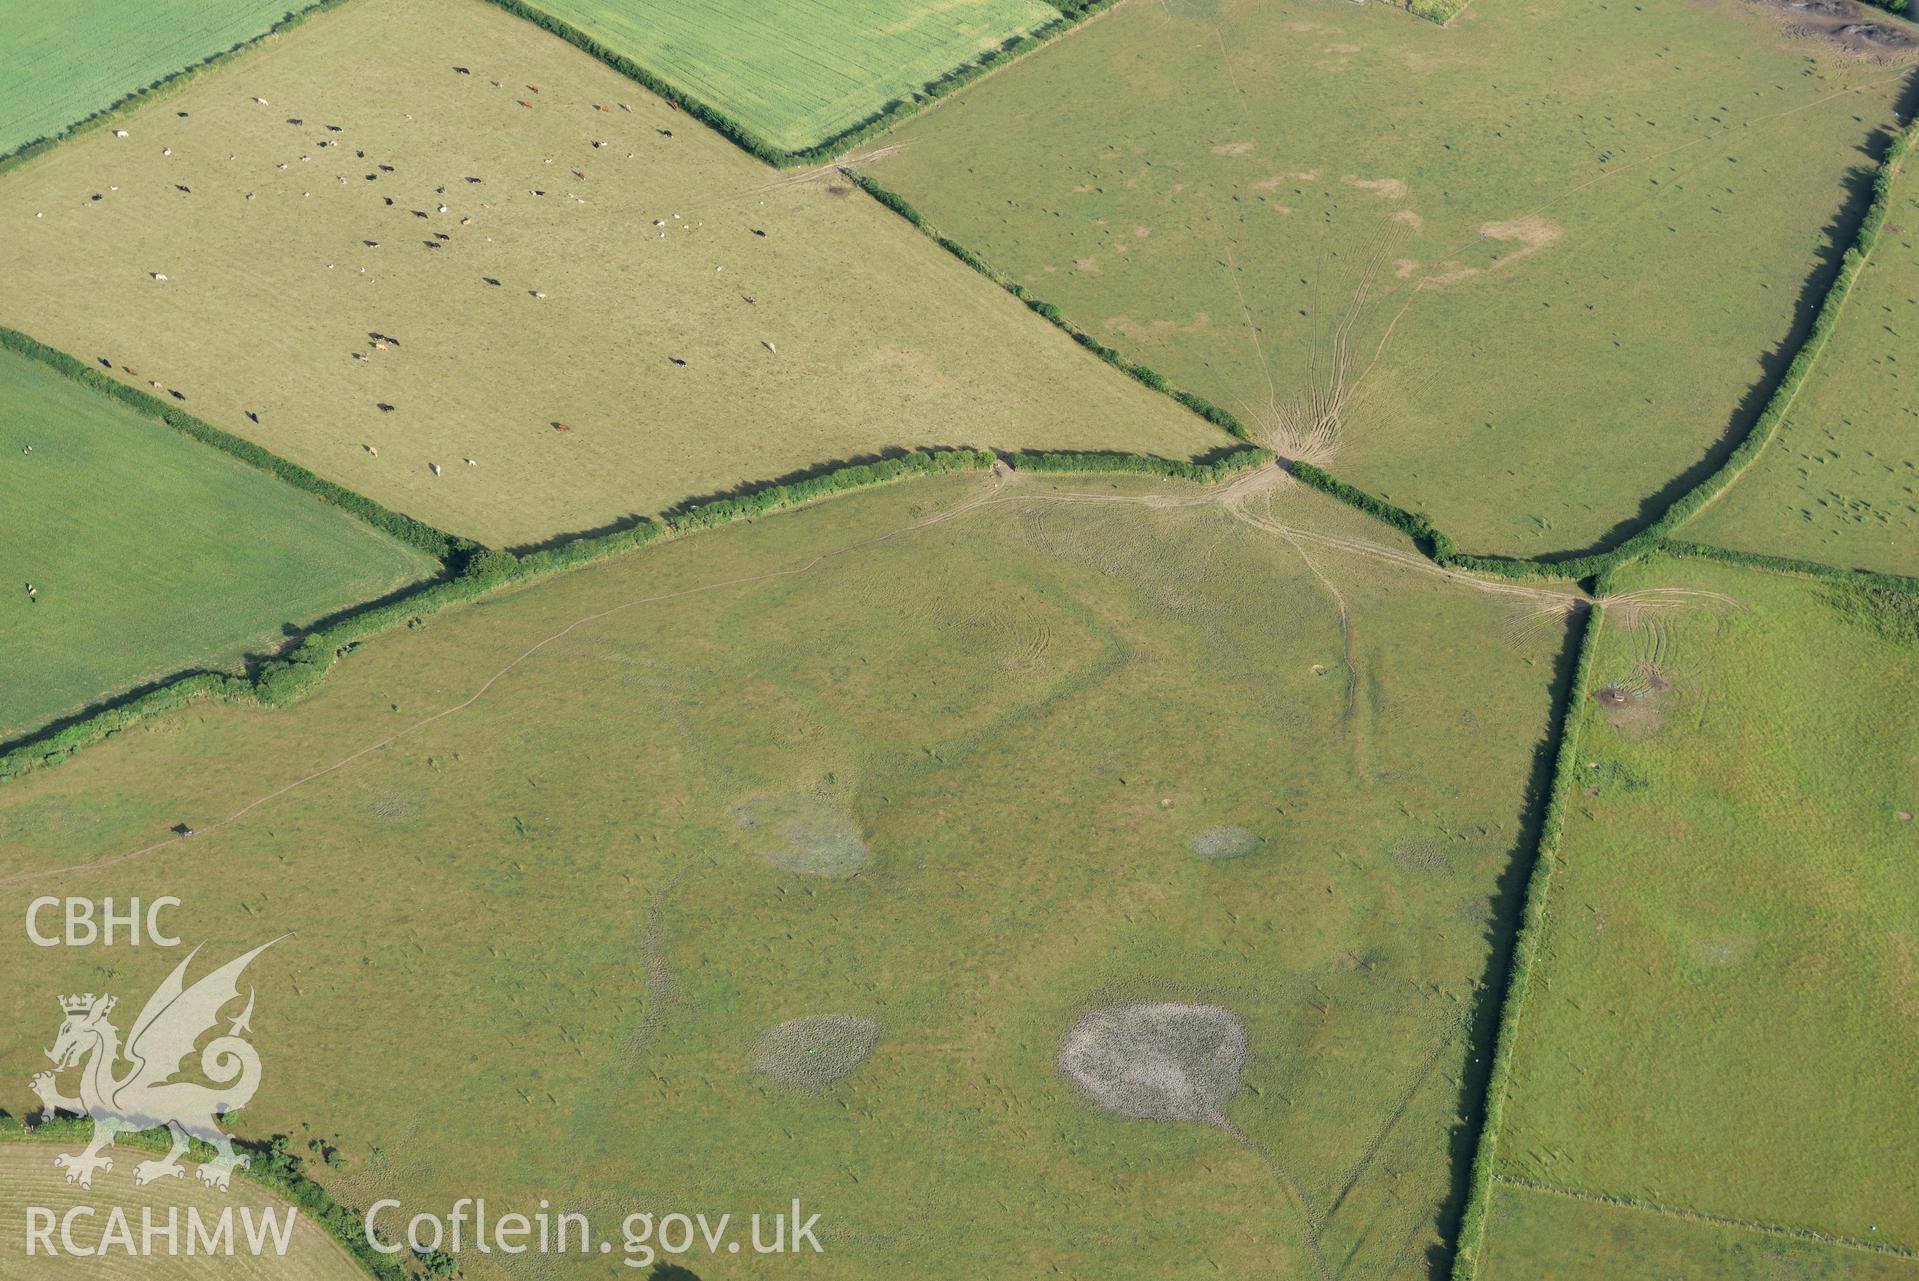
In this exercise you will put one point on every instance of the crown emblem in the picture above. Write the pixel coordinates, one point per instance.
(81, 1004)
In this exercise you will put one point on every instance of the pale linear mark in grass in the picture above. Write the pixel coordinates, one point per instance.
(1225, 495)
(1449, 1026)
(999, 481)
(661, 994)
(1252, 331)
(1294, 1193)
(1307, 428)
(1786, 1230)
(1349, 644)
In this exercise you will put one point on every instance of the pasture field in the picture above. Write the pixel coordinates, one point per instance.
(789, 869)
(804, 71)
(1532, 273)
(1839, 483)
(1542, 1234)
(63, 60)
(28, 1178)
(693, 319)
(1725, 1014)
(150, 553)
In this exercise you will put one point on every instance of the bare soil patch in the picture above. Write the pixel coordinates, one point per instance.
(1384, 188)
(1636, 707)
(1854, 27)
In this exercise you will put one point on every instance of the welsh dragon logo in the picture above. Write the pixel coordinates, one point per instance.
(144, 1095)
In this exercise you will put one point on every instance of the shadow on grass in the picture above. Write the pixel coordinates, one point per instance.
(1840, 234)
(291, 633)
(1507, 907)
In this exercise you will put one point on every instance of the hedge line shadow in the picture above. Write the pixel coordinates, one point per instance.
(1508, 906)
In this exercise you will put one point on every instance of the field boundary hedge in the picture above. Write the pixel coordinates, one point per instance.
(1439, 11)
(826, 149)
(1765, 427)
(165, 84)
(1787, 565)
(1212, 470)
(442, 546)
(1149, 377)
(1526, 944)
(271, 1165)
(279, 680)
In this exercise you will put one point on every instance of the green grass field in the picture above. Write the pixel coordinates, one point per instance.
(28, 1178)
(801, 72)
(1542, 1234)
(63, 60)
(1529, 273)
(1840, 482)
(1009, 731)
(836, 333)
(1725, 1014)
(150, 553)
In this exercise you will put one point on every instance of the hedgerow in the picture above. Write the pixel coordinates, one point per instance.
(1786, 565)
(165, 84)
(287, 677)
(1414, 525)
(1143, 374)
(441, 546)
(1886, 604)
(1657, 535)
(750, 141)
(1526, 945)
(271, 1164)
(1206, 473)
(1442, 11)
(921, 462)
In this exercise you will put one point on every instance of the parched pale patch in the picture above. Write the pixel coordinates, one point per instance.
(1128, 327)
(1234, 148)
(1532, 232)
(809, 830)
(1452, 275)
(1163, 1062)
(1384, 188)
(1224, 842)
(811, 1054)
(1407, 218)
(1405, 267)
(1343, 48)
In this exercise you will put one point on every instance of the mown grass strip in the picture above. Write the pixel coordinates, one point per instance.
(1526, 945)
(271, 1165)
(26, 151)
(750, 141)
(1139, 373)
